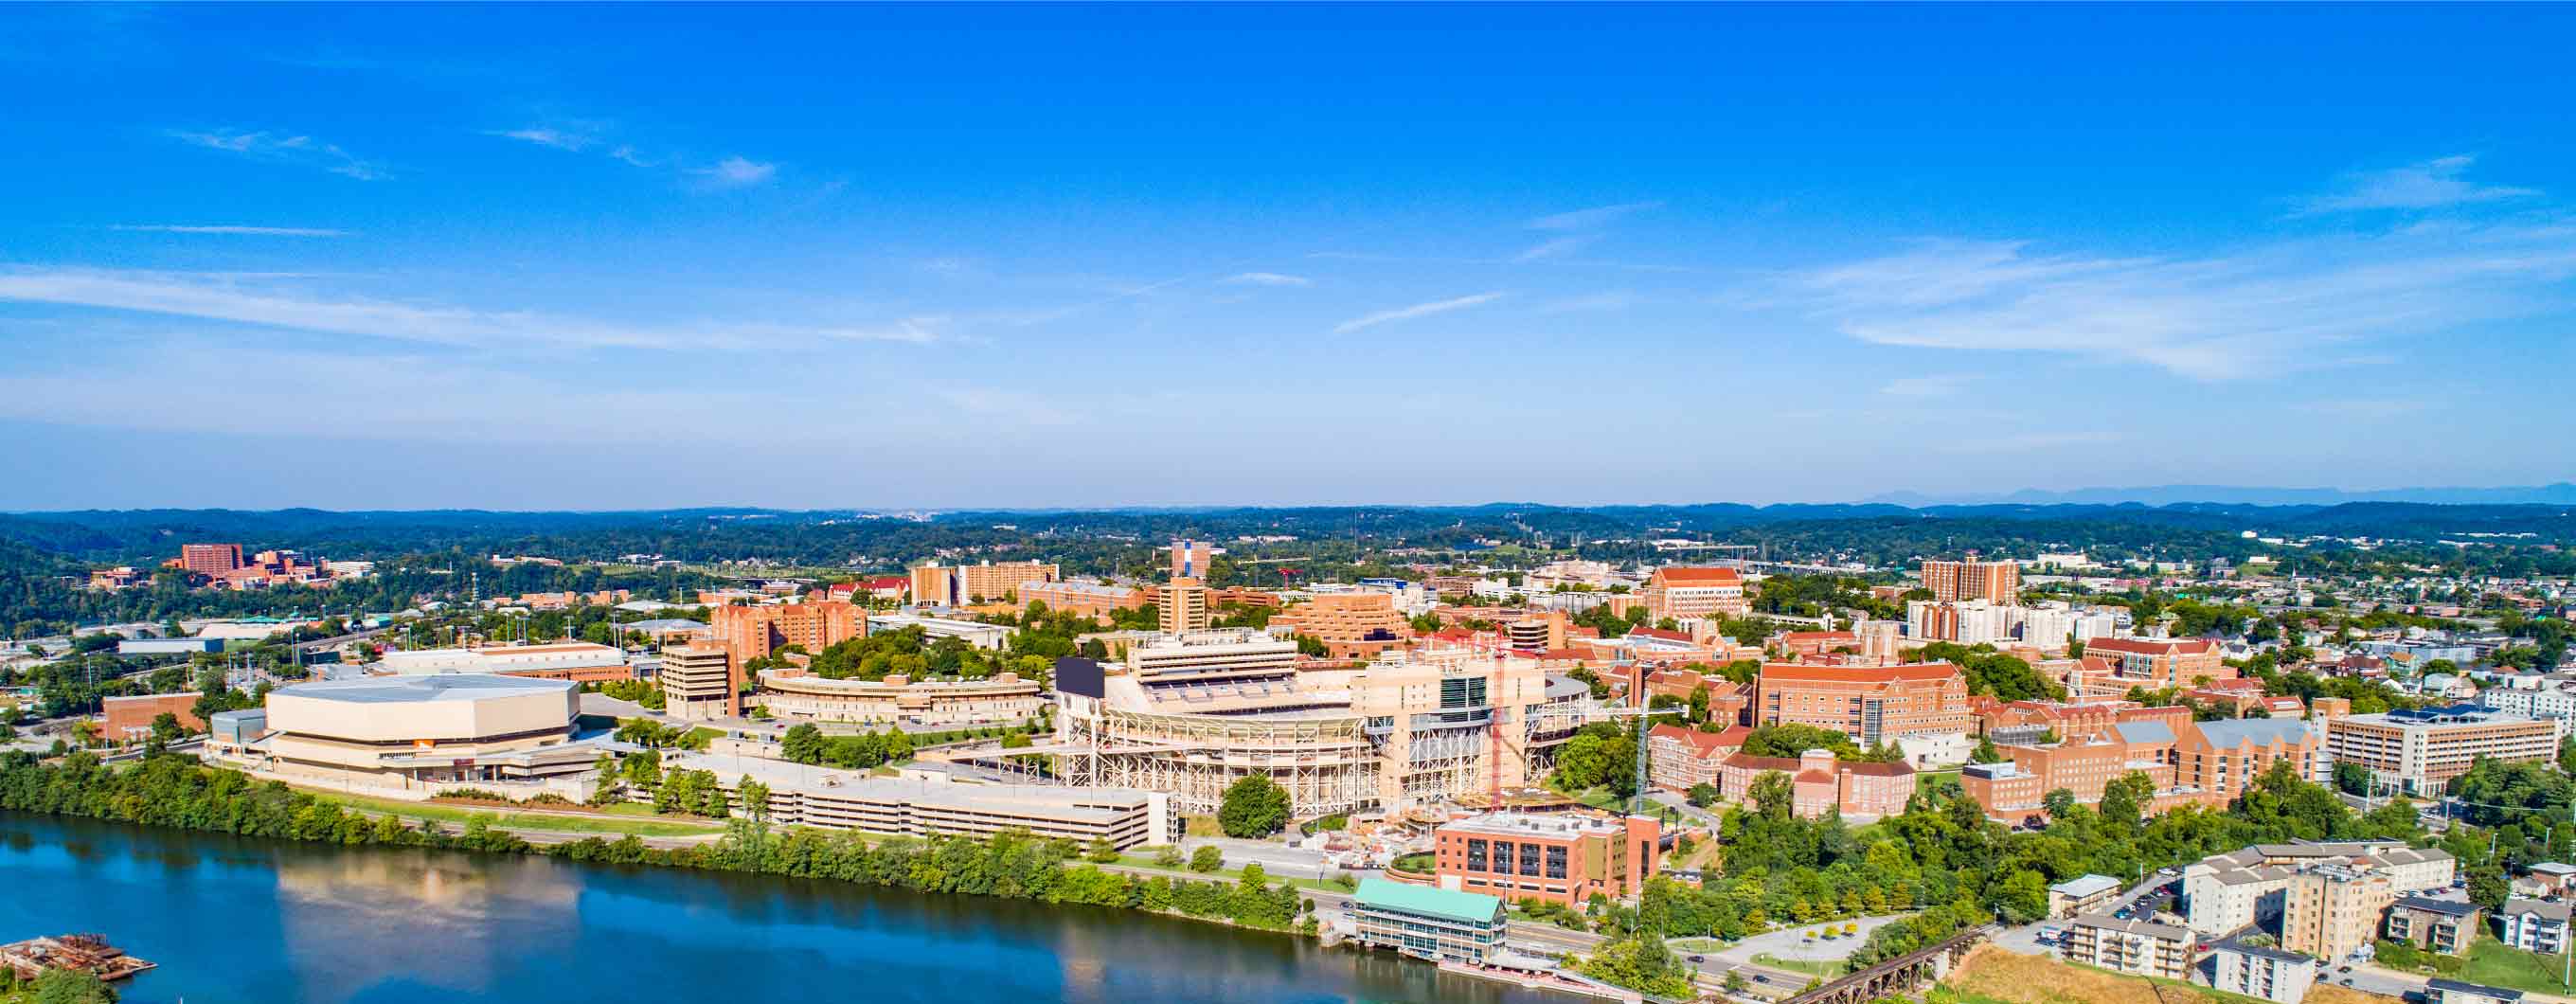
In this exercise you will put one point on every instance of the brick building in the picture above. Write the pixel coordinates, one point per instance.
(1951, 581)
(129, 719)
(1558, 858)
(1680, 591)
(1821, 782)
(1868, 704)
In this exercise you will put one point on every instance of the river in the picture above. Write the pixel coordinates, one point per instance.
(235, 920)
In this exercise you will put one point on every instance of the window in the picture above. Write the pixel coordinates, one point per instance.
(1502, 857)
(1556, 862)
(1475, 855)
(1529, 859)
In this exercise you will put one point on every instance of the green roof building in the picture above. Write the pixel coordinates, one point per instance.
(1425, 922)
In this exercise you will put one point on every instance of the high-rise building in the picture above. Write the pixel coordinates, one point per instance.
(210, 559)
(697, 681)
(2331, 910)
(1999, 581)
(983, 582)
(754, 632)
(1190, 559)
(1678, 592)
(1185, 606)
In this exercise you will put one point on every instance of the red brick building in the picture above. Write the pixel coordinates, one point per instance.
(1678, 757)
(129, 719)
(1556, 857)
(1821, 782)
(1869, 704)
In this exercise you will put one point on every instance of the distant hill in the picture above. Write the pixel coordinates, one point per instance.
(2561, 493)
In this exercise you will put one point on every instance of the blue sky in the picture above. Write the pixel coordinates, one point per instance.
(584, 257)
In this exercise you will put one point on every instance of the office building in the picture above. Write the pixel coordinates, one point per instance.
(2158, 663)
(212, 560)
(2262, 971)
(1190, 559)
(697, 682)
(2421, 750)
(1184, 606)
(421, 731)
(129, 719)
(2136, 947)
(1564, 858)
(1678, 592)
(1870, 705)
(792, 693)
(1429, 923)
(1994, 581)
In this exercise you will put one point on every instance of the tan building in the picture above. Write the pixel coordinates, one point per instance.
(963, 585)
(697, 682)
(921, 803)
(1190, 559)
(422, 731)
(2421, 750)
(1184, 606)
(1089, 599)
(2329, 911)
(1678, 592)
(578, 661)
(2158, 663)
(755, 632)
(1351, 625)
(2208, 763)
(2129, 946)
(791, 693)
(1871, 705)
(1952, 581)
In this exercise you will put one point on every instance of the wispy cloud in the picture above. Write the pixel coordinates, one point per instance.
(284, 149)
(175, 228)
(1417, 310)
(736, 172)
(1266, 279)
(2429, 185)
(560, 139)
(2216, 317)
(1936, 385)
(1618, 299)
(1555, 246)
(242, 300)
(2365, 409)
(1591, 219)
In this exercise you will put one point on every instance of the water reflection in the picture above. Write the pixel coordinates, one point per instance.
(240, 921)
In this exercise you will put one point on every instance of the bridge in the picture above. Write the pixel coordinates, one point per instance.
(1900, 975)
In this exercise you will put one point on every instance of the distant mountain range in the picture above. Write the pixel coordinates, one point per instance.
(2561, 493)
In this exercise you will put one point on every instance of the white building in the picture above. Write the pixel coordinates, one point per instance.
(2262, 971)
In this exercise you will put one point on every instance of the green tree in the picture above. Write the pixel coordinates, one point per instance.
(1254, 806)
(1206, 859)
(1702, 795)
(71, 986)
(802, 744)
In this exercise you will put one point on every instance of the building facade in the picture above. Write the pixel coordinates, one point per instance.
(791, 693)
(697, 682)
(2421, 750)
(1679, 592)
(1869, 705)
(1557, 857)
(2129, 946)
(1432, 924)
(1993, 581)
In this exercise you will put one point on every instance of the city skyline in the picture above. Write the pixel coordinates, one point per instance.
(1085, 257)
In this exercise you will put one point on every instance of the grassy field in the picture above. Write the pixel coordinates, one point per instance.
(2497, 964)
(1826, 970)
(618, 823)
(1992, 975)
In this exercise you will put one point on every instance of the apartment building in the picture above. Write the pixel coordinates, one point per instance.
(211, 560)
(1190, 559)
(960, 585)
(2442, 991)
(2262, 971)
(2421, 750)
(2534, 925)
(755, 632)
(1679, 591)
(1562, 858)
(2081, 895)
(1993, 581)
(1870, 705)
(697, 682)
(2158, 663)
(2439, 925)
(2129, 946)
(2227, 892)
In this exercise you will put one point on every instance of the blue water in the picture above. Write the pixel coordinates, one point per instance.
(241, 921)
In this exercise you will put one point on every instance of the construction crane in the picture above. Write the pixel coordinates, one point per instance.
(1637, 800)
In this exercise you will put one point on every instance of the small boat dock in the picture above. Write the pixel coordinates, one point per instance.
(89, 953)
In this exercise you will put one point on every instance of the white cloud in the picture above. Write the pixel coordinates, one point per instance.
(174, 228)
(1591, 219)
(1613, 300)
(1417, 310)
(560, 139)
(1267, 279)
(628, 155)
(1939, 385)
(230, 298)
(303, 150)
(1555, 246)
(2429, 185)
(736, 172)
(2221, 316)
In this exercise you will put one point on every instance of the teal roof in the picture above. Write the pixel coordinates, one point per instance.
(1467, 907)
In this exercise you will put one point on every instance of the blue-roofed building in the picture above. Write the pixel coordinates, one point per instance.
(1428, 922)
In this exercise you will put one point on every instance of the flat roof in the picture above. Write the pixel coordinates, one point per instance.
(2085, 885)
(1431, 901)
(2457, 987)
(414, 689)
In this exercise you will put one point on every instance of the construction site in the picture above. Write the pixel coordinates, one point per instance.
(1411, 734)
(88, 953)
